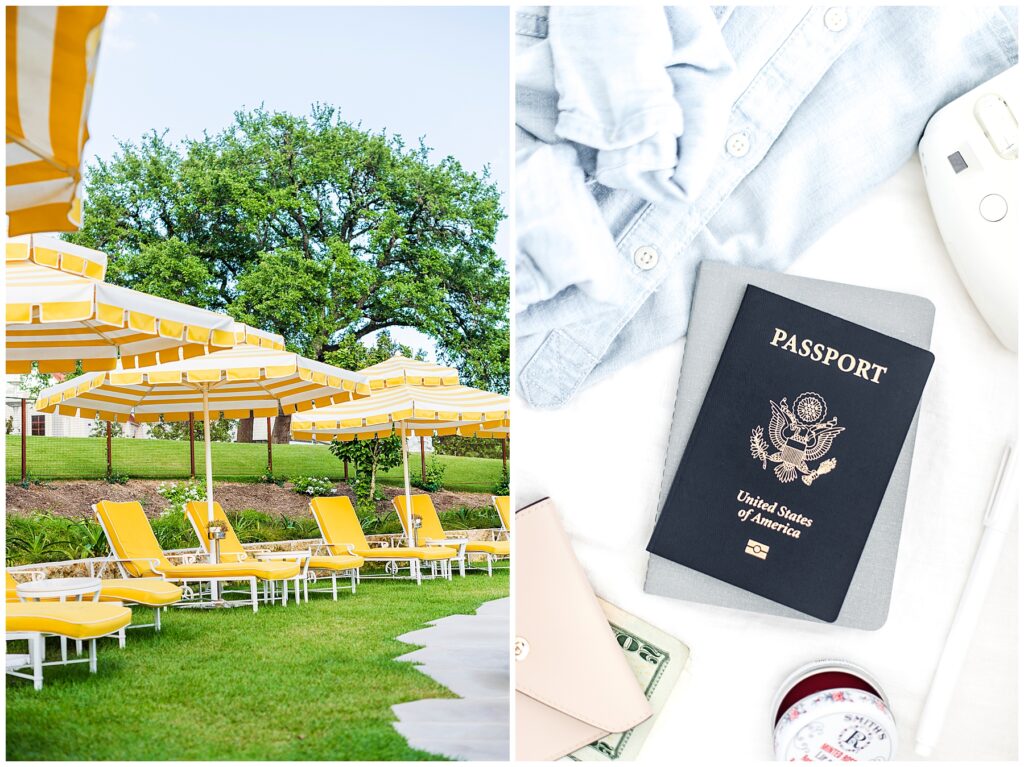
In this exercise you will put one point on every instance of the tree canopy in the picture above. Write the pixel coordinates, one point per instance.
(314, 228)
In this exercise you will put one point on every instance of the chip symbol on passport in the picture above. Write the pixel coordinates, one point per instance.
(800, 435)
(756, 549)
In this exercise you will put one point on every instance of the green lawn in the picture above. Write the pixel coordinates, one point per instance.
(86, 458)
(314, 681)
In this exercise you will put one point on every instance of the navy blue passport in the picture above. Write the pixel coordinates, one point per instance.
(791, 453)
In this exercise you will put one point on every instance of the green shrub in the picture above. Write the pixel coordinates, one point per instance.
(45, 537)
(467, 446)
(114, 477)
(268, 478)
(177, 494)
(470, 518)
(434, 476)
(313, 486)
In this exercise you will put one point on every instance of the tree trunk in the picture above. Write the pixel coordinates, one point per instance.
(244, 430)
(283, 429)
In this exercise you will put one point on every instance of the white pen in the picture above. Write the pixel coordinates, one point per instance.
(1002, 505)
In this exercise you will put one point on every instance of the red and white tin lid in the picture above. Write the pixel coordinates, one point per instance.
(832, 711)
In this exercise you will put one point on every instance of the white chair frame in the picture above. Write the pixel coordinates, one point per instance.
(438, 568)
(37, 653)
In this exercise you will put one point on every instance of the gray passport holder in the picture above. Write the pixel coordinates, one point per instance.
(719, 291)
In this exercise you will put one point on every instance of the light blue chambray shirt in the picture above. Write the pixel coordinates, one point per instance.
(651, 139)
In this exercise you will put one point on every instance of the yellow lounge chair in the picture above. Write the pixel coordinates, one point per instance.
(147, 592)
(81, 621)
(231, 550)
(342, 535)
(502, 504)
(430, 533)
(137, 553)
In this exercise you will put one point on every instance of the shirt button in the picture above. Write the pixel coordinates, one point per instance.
(835, 19)
(737, 144)
(645, 257)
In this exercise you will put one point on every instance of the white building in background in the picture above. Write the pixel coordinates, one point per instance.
(50, 424)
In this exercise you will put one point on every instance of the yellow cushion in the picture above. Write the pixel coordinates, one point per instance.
(12, 588)
(422, 506)
(340, 562)
(77, 620)
(338, 523)
(268, 571)
(231, 549)
(131, 536)
(152, 592)
(400, 552)
(497, 548)
(502, 504)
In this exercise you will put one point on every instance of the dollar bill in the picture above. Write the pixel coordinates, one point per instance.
(657, 659)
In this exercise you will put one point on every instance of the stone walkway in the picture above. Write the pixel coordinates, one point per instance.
(468, 654)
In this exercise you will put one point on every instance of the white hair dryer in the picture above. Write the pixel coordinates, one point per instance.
(969, 153)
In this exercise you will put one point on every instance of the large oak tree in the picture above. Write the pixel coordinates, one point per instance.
(314, 228)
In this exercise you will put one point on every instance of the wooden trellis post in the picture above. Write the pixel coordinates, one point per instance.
(110, 463)
(24, 441)
(270, 448)
(423, 463)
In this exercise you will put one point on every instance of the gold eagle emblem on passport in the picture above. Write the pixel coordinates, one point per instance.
(800, 435)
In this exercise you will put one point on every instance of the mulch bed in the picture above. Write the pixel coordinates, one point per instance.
(74, 498)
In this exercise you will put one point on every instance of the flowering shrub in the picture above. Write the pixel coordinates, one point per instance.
(313, 485)
(177, 494)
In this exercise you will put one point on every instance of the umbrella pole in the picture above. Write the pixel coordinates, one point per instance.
(408, 491)
(209, 483)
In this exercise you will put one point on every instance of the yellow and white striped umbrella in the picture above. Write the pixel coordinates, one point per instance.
(400, 370)
(410, 411)
(238, 383)
(59, 311)
(51, 63)
(422, 411)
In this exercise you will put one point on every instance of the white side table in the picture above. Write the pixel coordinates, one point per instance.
(301, 557)
(453, 543)
(62, 589)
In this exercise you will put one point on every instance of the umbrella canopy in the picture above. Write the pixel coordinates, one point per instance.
(421, 411)
(411, 411)
(238, 383)
(400, 370)
(51, 62)
(60, 312)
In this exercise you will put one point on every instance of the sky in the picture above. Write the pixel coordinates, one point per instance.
(439, 73)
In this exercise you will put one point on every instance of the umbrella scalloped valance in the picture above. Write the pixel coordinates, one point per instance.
(59, 312)
(400, 371)
(57, 254)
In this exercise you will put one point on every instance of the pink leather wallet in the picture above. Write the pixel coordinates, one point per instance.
(573, 684)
